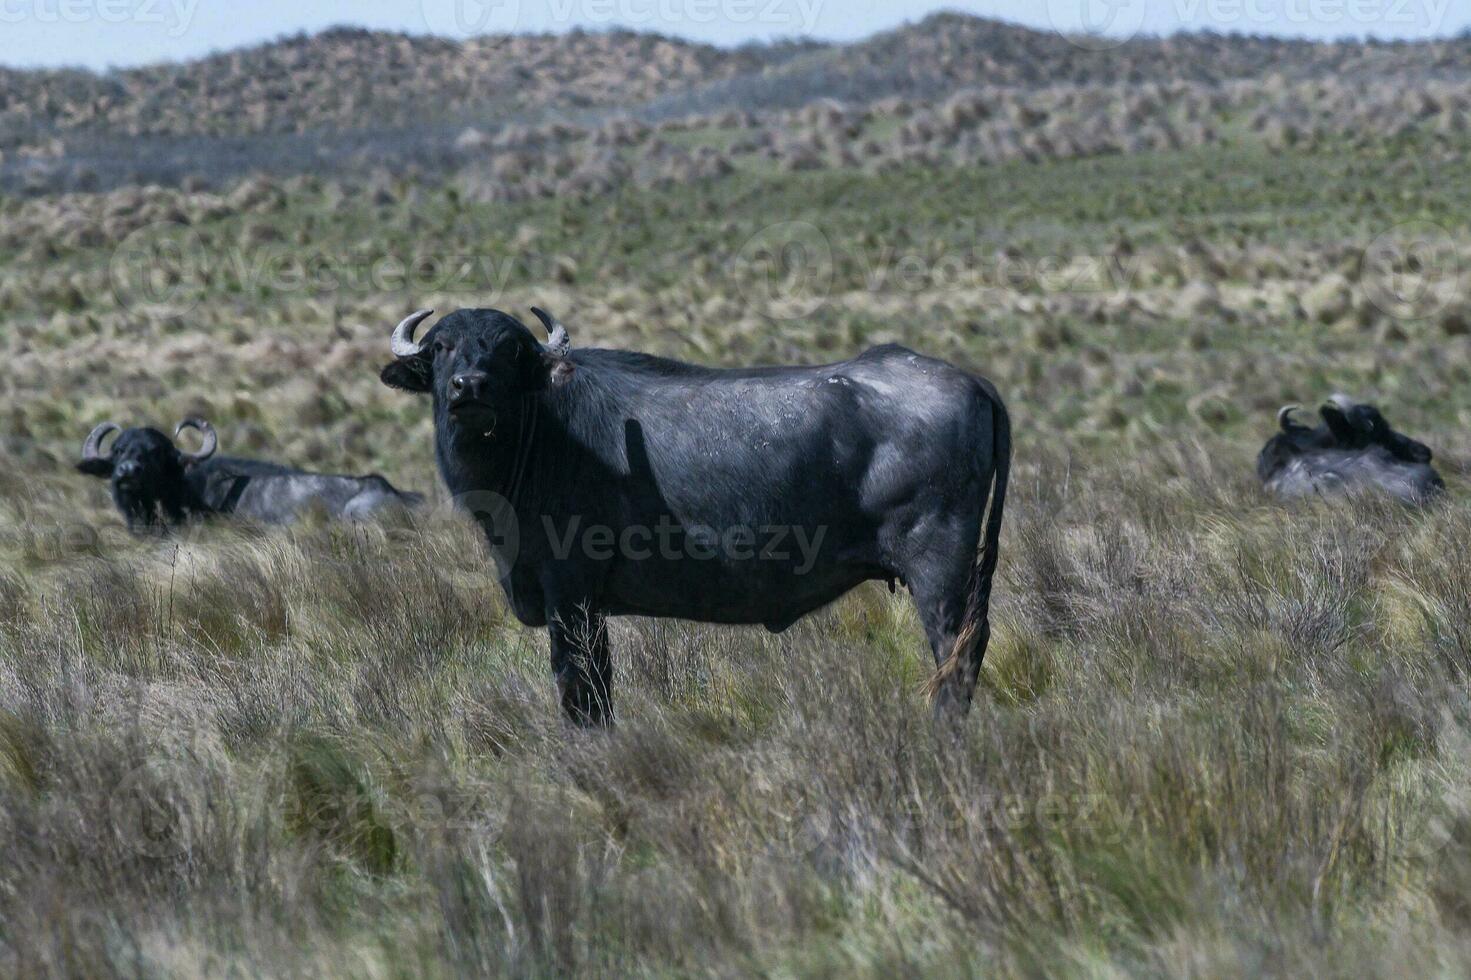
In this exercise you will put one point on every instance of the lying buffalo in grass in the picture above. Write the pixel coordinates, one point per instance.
(617, 483)
(1353, 450)
(155, 484)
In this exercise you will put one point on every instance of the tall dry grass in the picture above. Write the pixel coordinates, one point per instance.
(1214, 736)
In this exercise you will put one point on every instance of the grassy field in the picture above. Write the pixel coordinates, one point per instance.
(1215, 735)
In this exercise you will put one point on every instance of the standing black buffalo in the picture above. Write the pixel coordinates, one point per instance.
(645, 486)
(155, 484)
(1353, 450)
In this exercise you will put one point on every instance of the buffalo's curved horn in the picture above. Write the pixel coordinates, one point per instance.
(402, 343)
(1344, 403)
(559, 342)
(211, 441)
(92, 447)
(1284, 415)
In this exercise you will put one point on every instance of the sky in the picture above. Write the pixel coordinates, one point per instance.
(115, 33)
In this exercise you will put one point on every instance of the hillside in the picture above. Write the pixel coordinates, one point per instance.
(350, 100)
(946, 52)
(347, 79)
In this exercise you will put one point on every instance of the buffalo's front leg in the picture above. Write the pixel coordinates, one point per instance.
(582, 665)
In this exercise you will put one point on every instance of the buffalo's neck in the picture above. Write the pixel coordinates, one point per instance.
(472, 461)
(137, 509)
(201, 493)
(542, 472)
(165, 504)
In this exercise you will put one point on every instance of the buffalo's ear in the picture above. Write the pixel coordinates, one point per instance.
(1344, 431)
(99, 466)
(409, 374)
(544, 367)
(559, 369)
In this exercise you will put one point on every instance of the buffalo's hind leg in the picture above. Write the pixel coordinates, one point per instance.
(956, 634)
(582, 663)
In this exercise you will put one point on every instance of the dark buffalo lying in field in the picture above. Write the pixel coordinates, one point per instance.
(155, 484)
(610, 482)
(1353, 450)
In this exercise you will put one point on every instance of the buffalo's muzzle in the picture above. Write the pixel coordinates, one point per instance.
(466, 390)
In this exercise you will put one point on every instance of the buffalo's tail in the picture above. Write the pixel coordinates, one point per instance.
(975, 626)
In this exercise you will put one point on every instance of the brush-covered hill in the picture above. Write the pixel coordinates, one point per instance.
(568, 113)
(350, 79)
(346, 79)
(949, 50)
